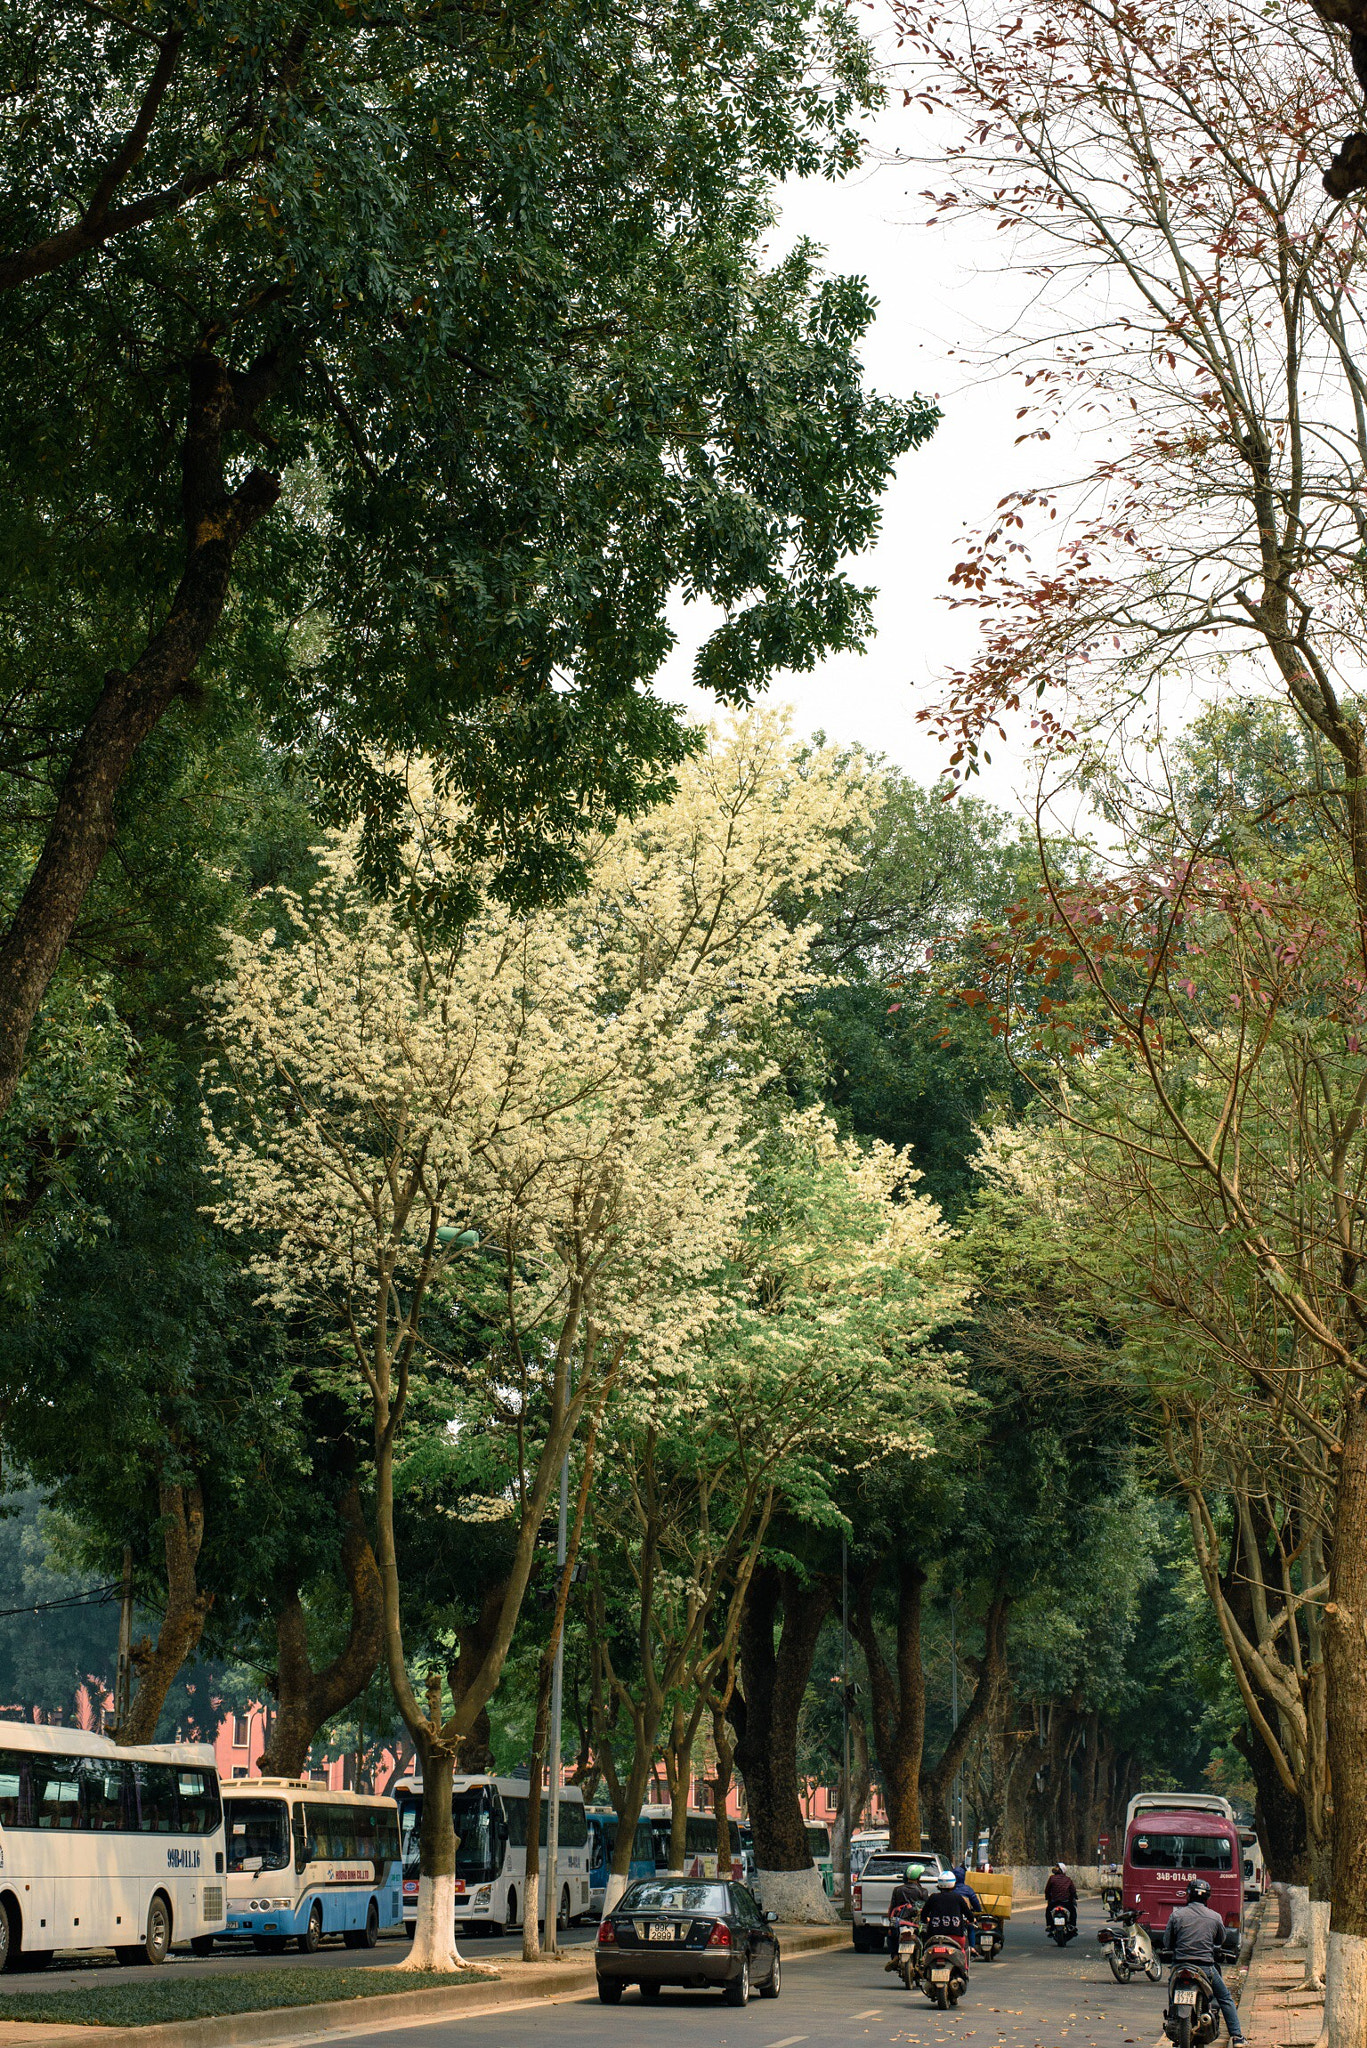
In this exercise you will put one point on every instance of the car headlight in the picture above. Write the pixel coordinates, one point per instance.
(482, 1895)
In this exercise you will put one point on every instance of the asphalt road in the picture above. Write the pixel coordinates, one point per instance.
(1033, 1996)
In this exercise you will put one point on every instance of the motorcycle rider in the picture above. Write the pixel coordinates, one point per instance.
(946, 1911)
(1195, 1934)
(911, 1893)
(970, 1899)
(1059, 1890)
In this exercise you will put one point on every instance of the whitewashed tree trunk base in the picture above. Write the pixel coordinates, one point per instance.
(434, 1937)
(1316, 1946)
(616, 1886)
(531, 1925)
(1299, 1897)
(1345, 2000)
(797, 1896)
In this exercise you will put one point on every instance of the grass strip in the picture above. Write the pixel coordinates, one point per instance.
(216, 1993)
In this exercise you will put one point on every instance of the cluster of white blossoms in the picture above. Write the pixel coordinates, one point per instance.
(570, 1084)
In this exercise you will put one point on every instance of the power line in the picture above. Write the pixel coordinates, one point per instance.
(96, 1597)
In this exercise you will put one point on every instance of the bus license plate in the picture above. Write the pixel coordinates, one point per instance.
(1186, 1997)
(662, 1930)
(939, 1976)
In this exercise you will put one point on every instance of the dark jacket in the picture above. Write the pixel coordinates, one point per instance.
(1195, 1934)
(913, 1895)
(945, 1913)
(965, 1889)
(1059, 1889)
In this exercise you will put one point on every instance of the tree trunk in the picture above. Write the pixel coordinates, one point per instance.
(1278, 1815)
(765, 1712)
(216, 522)
(898, 1701)
(984, 1707)
(531, 1890)
(1345, 1643)
(187, 1609)
(474, 1640)
(721, 1788)
(307, 1698)
(434, 1936)
(678, 1762)
(861, 1783)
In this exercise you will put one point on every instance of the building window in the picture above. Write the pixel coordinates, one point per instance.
(239, 1770)
(239, 1733)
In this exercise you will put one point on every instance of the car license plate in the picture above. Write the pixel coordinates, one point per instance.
(662, 1930)
(939, 1976)
(1186, 1997)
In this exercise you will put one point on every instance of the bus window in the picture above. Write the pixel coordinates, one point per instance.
(474, 1825)
(197, 1806)
(13, 1799)
(258, 1834)
(154, 1799)
(1182, 1852)
(58, 1794)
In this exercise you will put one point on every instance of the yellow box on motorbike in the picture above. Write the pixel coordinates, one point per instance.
(994, 1889)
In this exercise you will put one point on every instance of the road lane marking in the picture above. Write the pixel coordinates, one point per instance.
(871, 2014)
(788, 2041)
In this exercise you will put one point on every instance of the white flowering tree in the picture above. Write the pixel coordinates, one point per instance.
(824, 1351)
(565, 1090)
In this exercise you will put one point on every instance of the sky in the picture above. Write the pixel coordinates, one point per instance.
(939, 291)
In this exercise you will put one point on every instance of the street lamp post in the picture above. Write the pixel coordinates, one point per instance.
(557, 1703)
(845, 1717)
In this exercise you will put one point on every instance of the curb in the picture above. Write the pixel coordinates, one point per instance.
(525, 1983)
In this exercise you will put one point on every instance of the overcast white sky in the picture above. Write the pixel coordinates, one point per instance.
(938, 289)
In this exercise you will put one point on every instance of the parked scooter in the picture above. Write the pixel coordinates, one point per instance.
(1129, 1950)
(1058, 1926)
(942, 1969)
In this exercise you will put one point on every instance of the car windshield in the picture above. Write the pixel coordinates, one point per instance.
(659, 1896)
(1182, 1852)
(258, 1832)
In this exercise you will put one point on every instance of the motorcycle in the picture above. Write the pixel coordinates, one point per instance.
(1058, 1926)
(1112, 1899)
(991, 1936)
(942, 1970)
(1129, 1950)
(1192, 2015)
(908, 1949)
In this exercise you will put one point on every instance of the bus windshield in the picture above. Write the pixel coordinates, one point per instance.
(258, 1834)
(474, 1835)
(1182, 1852)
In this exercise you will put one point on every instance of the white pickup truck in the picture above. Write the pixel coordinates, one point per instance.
(873, 1889)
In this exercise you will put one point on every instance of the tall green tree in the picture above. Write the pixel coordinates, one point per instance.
(384, 371)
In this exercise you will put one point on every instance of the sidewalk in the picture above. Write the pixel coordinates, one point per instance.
(1274, 2010)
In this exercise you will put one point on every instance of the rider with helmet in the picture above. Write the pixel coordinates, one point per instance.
(946, 1910)
(911, 1895)
(1195, 1934)
(1059, 1890)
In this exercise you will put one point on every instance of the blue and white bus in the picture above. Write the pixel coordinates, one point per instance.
(102, 1847)
(602, 1826)
(305, 1862)
(490, 1815)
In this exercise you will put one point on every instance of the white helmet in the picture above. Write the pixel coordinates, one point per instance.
(946, 1880)
(1063, 1867)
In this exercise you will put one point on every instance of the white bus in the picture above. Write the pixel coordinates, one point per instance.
(305, 1862)
(102, 1847)
(490, 1815)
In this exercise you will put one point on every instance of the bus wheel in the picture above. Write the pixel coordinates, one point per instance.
(562, 1918)
(156, 1943)
(5, 1937)
(367, 1936)
(311, 1940)
(512, 1924)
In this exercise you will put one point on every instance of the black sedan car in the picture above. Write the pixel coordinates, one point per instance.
(693, 1932)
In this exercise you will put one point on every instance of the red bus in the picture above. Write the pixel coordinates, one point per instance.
(1166, 1846)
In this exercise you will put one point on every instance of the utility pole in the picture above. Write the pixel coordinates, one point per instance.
(123, 1670)
(557, 1702)
(956, 1790)
(845, 1717)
